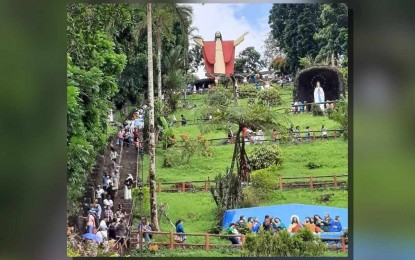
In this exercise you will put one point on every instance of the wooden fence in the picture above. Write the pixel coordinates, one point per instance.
(285, 183)
(135, 240)
(286, 140)
(312, 181)
(172, 243)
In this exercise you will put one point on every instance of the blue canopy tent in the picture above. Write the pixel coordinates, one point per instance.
(284, 212)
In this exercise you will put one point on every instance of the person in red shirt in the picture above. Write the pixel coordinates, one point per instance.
(136, 133)
(244, 130)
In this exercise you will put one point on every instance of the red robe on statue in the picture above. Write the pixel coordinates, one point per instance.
(228, 49)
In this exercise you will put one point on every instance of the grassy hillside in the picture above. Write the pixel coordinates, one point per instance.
(198, 209)
(330, 154)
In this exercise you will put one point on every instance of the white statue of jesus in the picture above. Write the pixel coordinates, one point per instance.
(319, 95)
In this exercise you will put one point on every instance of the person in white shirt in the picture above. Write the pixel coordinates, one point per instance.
(99, 193)
(108, 202)
(113, 154)
(128, 186)
(102, 231)
(105, 180)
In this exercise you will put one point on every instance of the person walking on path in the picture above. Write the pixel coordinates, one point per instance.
(115, 180)
(99, 193)
(120, 137)
(128, 186)
(121, 233)
(113, 154)
(90, 225)
(110, 190)
(98, 208)
(108, 215)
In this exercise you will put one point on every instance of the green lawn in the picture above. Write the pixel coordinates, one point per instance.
(332, 155)
(222, 252)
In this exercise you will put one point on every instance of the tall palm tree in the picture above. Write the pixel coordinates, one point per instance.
(152, 141)
(165, 16)
(163, 24)
(184, 14)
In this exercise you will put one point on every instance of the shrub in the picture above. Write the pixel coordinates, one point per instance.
(146, 201)
(250, 198)
(172, 157)
(271, 96)
(219, 96)
(265, 180)
(203, 146)
(264, 156)
(340, 115)
(248, 91)
(185, 150)
(317, 110)
(282, 244)
(313, 165)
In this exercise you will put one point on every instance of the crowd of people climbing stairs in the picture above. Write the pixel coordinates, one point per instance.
(106, 221)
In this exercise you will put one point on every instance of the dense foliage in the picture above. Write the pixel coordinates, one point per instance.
(107, 68)
(266, 244)
(313, 33)
(340, 115)
(270, 96)
(266, 179)
(247, 91)
(91, 84)
(249, 60)
(265, 156)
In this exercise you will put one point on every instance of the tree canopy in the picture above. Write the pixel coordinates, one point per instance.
(249, 60)
(312, 32)
(107, 66)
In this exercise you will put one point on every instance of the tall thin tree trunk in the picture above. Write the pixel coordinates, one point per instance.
(159, 58)
(332, 59)
(152, 144)
(236, 150)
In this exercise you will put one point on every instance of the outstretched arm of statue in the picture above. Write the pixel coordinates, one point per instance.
(240, 39)
(198, 41)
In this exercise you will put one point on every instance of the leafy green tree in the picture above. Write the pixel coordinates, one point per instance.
(341, 116)
(249, 60)
(279, 63)
(332, 37)
(195, 58)
(294, 26)
(93, 67)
